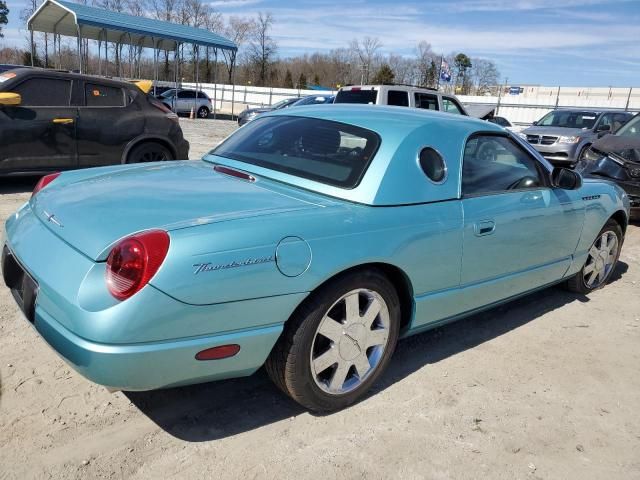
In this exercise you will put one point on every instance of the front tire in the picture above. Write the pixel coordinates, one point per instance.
(338, 342)
(203, 112)
(601, 260)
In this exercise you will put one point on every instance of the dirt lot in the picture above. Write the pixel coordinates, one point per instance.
(546, 387)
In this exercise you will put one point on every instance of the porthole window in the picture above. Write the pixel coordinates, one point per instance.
(433, 165)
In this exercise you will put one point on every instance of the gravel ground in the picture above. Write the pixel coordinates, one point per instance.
(545, 387)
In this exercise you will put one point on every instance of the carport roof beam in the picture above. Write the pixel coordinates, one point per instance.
(53, 17)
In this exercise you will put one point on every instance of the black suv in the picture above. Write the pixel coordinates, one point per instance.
(60, 121)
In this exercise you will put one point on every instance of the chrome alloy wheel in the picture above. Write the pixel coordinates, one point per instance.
(350, 341)
(602, 257)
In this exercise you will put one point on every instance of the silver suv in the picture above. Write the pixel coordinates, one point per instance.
(401, 96)
(563, 136)
(183, 100)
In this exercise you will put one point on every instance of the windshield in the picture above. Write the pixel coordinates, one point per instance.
(356, 96)
(321, 150)
(283, 103)
(568, 119)
(631, 128)
(168, 93)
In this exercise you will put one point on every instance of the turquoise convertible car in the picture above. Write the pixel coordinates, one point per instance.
(308, 241)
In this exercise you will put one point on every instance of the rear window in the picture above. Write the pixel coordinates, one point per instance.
(103, 96)
(357, 96)
(328, 152)
(398, 98)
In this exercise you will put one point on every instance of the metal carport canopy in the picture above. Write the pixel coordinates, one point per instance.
(76, 20)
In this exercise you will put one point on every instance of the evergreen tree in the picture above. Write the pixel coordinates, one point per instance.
(383, 75)
(288, 80)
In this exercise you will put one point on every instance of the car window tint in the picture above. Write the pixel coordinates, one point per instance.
(426, 101)
(103, 96)
(186, 94)
(496, 164)
(202, 95)
(321, 150)
(44, 92)
(398, 98)
(356, 96)
(450, 106)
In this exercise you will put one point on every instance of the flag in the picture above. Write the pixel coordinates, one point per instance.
(445, 71)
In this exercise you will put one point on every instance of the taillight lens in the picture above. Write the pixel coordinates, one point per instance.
(44, 181)
(134, 261)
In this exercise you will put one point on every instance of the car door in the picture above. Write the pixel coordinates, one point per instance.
(40, 133)
(185, 100)
(519, 233)
(108, 120)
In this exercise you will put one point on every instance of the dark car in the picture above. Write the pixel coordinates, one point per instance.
(564, 135)
(617, 158)
(251, 113)
(5, 67)
(58, 121)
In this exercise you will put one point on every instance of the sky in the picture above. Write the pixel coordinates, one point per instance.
(546, 42)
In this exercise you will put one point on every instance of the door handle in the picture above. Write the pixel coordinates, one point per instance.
(485, 227)
(63, 121)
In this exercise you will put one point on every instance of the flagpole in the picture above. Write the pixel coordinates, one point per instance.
(439, 73)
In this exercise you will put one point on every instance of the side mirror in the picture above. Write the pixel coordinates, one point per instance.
(9, 99)
(565, 179)
(534, 123)
(604, 128)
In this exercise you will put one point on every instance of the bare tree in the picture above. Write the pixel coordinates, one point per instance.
(238, 30)
(366, 51)
(262, 48)
(485, 75)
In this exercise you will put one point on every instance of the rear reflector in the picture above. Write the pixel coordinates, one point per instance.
(218, 353)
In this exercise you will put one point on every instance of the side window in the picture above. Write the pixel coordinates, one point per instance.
(426, 101)
(186, 94)
(398, 98)
(202, 95)
(103, 96)
(493, 164)
(44, 92)
(449, 105)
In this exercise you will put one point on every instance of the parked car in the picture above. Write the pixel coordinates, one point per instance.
(60, 121)
(617, 158)
(314, 100)
(564, 135)
(401, 96)
(251, 113)
(184, 100)
(305, 242)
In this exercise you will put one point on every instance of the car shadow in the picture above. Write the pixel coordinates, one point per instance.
(217, 410)
(18, 184)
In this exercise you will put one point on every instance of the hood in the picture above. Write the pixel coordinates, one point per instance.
(93, 213)
(556, 131)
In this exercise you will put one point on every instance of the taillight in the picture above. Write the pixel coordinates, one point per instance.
(44, 181)
(164, 109)
(134, 261)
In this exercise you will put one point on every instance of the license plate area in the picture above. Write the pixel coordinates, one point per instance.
(23, 287)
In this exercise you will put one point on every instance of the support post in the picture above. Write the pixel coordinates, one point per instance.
(233, 84)
(557, 98)
(215, 82)
(626, 107)
(80, 49)
(195, 100)
(33, 47)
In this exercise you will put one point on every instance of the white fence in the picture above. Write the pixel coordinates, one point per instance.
(522, 109)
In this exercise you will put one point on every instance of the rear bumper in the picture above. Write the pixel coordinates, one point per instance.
(150, 366)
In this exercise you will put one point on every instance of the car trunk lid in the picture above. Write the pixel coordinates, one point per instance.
(93, 213)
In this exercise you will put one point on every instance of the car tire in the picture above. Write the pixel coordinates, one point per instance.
(600, 265)
(203, 112)
(297, 362)
(149, 152)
